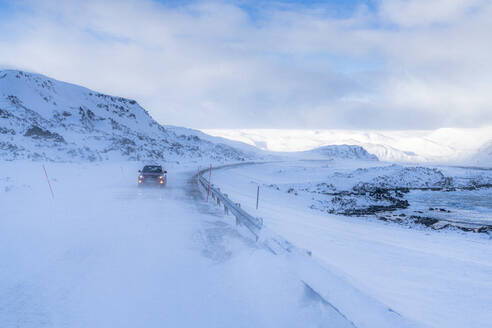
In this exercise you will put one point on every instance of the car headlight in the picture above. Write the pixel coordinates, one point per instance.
(161, 177)
(140, 176)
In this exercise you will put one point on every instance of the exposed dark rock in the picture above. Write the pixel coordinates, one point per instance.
(90, 114)
(427, 221)
(7, 131)
(126, 141)
(483, 229)
(38, 133)
(374, 209)
(14, 100)
(4, 114)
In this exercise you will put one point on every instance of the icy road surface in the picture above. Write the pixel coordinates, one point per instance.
(104, 253)
(442, 279)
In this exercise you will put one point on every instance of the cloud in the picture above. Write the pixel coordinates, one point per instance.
(219, 64)
(428, 12)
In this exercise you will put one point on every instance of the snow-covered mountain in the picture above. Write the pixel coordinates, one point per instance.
(351, 152)
(42, 118)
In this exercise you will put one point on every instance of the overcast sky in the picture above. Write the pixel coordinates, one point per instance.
(385, 64)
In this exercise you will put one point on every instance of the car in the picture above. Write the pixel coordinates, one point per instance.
(152, 175)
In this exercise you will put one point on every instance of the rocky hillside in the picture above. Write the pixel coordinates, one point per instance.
(45, 119)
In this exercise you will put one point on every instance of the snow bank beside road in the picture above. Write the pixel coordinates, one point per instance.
(442, 279)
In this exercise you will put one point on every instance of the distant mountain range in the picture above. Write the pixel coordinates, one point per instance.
(446, 145)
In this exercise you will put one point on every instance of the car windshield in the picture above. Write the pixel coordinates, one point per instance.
(152, 169)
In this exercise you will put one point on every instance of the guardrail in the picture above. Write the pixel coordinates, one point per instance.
(254, 224)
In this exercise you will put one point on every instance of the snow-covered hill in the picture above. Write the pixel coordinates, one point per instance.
(42, 118)
(338, 152)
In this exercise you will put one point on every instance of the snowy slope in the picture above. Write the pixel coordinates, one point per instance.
(41, 118)
(391, 154)
(483, 157)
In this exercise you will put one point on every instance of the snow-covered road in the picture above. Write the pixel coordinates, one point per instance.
(104, 253)
(441, 279)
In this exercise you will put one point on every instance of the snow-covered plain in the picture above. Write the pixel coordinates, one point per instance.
(439, 278)
(104, 253)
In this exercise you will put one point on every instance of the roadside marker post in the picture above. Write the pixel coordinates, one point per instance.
(48, 180)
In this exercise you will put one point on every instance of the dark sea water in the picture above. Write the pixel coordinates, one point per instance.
(466, 205)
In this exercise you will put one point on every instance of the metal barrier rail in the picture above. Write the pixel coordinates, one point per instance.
(254, 224)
